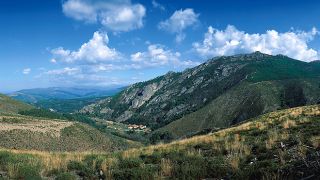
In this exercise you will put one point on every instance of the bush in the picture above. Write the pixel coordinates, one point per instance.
(66, 176)
(165, 137)
(28, 172)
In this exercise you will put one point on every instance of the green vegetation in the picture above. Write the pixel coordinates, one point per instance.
(54, 115)
(246, 101)
(279, 145)
(66, 105)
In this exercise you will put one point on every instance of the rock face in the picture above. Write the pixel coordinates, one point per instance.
(167, 98)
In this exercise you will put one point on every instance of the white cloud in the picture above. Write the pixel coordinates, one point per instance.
(94, 51)
(64, 71)
(158, 55)
(80, 10)
(233, 41)
(26, 71)
(155, 4)
(53, 60)
(178, 22)
(116, 15)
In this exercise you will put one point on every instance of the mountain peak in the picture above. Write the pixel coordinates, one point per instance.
(254, 55)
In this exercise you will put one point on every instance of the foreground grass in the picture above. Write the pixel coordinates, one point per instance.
(278, 145)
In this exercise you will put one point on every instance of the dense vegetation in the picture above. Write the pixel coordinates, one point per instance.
(278, 145)
(66, 105)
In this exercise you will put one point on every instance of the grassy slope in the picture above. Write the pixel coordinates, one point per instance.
(279, 145)
(77, 137)
(240, 103)
(9, 105)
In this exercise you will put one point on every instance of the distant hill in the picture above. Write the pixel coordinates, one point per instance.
(9, 105)
(63, 99)
(38, 94)
(218, 93)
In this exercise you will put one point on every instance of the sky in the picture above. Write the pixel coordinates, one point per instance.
(46, 43)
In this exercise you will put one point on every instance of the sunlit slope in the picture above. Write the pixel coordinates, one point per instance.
(9, 105)
(24, 132)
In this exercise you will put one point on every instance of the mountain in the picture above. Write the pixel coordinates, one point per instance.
(279, 145)
(40, 94)
(218, 93)
(9, 105)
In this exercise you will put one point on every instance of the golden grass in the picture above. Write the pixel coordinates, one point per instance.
(288, 124)
(166, 167)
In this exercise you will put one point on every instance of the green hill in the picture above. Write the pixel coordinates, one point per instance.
(279, 145)
(9, 105)
(243, 102)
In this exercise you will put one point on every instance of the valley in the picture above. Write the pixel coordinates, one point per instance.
(232, 117)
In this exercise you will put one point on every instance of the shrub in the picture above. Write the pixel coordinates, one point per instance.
(66, 176)
(28, 172)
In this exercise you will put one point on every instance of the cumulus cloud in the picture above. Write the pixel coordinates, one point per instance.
(94, 51)
(158, 55)
(115, 15)
(233, 41)
(178, 22)
(26, 71)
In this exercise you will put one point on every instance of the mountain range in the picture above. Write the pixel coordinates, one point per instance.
(64, 99)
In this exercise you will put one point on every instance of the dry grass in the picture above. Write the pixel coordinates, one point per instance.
(24, 123)
(315, 140)
(52, 160)
(288, 124)
(166, 167)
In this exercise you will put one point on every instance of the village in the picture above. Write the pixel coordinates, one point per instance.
(136, 127)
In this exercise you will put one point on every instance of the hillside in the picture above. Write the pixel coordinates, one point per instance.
(9, 105)
(246, 85)
(243, 102)
(279, 145)
(32, 133)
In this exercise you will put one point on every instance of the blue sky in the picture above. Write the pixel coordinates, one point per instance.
(118, 42)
